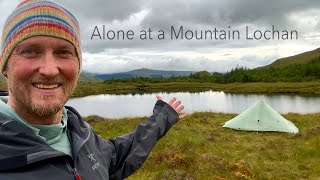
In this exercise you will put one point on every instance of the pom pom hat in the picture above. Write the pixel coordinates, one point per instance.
(38, 18)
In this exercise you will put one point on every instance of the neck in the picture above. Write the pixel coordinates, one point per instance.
(34, 119)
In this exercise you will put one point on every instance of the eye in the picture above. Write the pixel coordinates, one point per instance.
(30, 53)
(65, 53)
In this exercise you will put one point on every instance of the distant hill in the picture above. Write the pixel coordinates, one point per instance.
(144, 73)
(306, 58)
(87, 77)
(303, 58)
(298, 68)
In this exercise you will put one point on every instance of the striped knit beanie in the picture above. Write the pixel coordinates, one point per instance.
(38, 17)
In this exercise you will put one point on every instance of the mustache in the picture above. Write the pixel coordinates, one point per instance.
(47, 80)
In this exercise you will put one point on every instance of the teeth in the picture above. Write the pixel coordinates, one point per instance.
(46, 86)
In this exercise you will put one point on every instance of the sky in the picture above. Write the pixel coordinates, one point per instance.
(183, 54)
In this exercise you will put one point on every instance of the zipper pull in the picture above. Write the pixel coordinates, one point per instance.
(73, 170)
(77, 176)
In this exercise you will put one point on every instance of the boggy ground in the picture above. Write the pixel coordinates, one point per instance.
(199, 148)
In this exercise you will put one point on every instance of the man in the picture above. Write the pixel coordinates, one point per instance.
(40, 138)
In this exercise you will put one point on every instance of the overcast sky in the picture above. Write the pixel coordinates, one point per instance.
(110, 56)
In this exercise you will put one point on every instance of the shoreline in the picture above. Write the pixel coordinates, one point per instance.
(286, 88)
(97, 118)
(311, 88)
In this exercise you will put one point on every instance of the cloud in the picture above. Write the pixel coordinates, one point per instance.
(123, 64)
(125, 60)
(206, 15)
(101, 10)
(213, 55)
(6, 8)
(230, 12)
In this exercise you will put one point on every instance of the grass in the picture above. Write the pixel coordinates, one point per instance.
(303, 58)
(3, 86)
(199, 148)
(301, 88)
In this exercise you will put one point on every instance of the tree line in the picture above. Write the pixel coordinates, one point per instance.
(290, 73)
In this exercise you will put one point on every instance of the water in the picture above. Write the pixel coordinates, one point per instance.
(118, 106)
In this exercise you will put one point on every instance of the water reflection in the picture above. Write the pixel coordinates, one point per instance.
(117, 106)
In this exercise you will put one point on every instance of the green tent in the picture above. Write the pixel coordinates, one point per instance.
(261, 117)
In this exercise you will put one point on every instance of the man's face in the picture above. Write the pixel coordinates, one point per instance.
(42, 73)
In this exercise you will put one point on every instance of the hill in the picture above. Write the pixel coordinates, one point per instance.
(143, 73)
(86, 77)
(303, 58)
(298, 68)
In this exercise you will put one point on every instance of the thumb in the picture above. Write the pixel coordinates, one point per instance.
(159, 98)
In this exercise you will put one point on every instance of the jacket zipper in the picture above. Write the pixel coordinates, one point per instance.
(73, 170)
(76, 174)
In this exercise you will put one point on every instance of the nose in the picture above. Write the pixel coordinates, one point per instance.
(48, 66)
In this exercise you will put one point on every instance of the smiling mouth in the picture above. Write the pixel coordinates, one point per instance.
(46, 86)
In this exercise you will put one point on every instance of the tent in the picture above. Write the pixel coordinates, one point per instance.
(261, 117)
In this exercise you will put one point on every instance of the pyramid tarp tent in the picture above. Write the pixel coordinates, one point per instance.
(261, 117)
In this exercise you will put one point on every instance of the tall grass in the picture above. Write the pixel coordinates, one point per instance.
(199, 148)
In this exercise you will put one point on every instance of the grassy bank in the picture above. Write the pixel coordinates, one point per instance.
(199, 148)
(301, 88)
(3, 86)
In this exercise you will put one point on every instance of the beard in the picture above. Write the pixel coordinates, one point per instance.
(38, 104)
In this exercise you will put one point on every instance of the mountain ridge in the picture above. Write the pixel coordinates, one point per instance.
(302, 58)
(144, 72)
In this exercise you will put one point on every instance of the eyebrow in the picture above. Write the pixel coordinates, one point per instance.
(19, 46)
(36, 45)
(66, 47)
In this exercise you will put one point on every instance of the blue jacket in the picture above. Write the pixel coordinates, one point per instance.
(24, 156)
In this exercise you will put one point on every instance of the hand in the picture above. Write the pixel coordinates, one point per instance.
(176, 105)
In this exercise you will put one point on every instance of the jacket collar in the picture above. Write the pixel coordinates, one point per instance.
(78, 130)
(20, 146)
